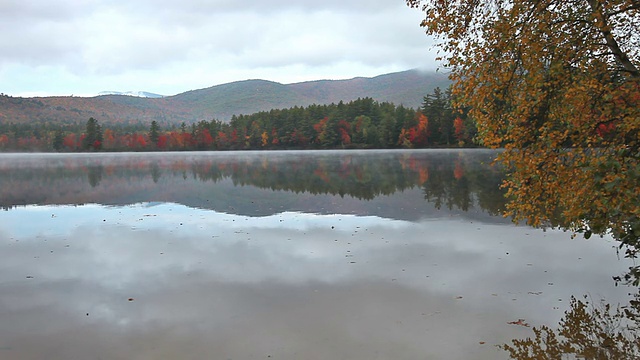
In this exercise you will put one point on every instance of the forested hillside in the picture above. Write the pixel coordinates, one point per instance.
(362, 123)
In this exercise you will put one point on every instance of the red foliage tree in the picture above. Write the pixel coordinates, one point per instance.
(319, 126)
(4, 141)
(222, 141)
(419, 134)
(344, 129)
(204, 139)
(163, 140)
(415, 136)
(298, 138)
(70, 142)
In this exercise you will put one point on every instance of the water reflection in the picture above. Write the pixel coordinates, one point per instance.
(290, 283)
(588, 330)
(453, 180)
(227, 256)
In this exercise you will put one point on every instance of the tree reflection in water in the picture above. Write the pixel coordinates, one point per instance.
(587, 331)
(603, 200)
(449, 179)
(606, 203)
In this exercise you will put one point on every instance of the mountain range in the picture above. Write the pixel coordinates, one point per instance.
(143, 94)
(221, 101)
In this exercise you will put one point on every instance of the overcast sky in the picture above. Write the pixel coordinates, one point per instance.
(64, 47)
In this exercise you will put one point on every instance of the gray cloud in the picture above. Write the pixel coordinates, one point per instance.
(34, 10)
(174, 42)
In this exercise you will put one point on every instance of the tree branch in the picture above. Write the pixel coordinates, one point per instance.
(605, 30)
(635, 6)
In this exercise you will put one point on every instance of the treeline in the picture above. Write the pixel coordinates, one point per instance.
(362, 123)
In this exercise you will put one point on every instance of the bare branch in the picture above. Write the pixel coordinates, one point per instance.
(605, 30)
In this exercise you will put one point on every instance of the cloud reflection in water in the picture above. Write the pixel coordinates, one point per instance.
(290, 285)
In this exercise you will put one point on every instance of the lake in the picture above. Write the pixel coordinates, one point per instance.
(278, 255)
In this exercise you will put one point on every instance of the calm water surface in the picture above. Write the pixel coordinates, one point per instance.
(277, 255)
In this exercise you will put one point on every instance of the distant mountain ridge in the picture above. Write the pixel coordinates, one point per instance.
(222, 101)
(142, 94)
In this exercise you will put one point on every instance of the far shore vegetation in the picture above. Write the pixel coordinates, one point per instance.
(359, 124)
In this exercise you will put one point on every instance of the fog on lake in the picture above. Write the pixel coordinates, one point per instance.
(281, 255)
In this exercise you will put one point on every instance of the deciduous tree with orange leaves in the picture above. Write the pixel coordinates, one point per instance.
(556, 83)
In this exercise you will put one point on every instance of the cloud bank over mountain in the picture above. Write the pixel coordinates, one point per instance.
(63, 47)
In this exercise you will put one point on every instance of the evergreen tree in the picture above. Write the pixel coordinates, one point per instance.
(436, 107)
(154, 133)
(58, 139)
(93, 136)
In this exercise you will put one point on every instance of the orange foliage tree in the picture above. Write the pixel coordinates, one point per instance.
(108, 138)
(415, 136)
(557, 84)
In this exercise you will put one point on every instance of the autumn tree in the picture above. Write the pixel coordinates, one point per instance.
(69, 142)
(557, 84)
(417, 135)
(4, 140)
(327, 133)
(344, 130)
(109, 138)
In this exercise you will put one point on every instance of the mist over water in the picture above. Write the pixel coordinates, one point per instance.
(283, 255)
